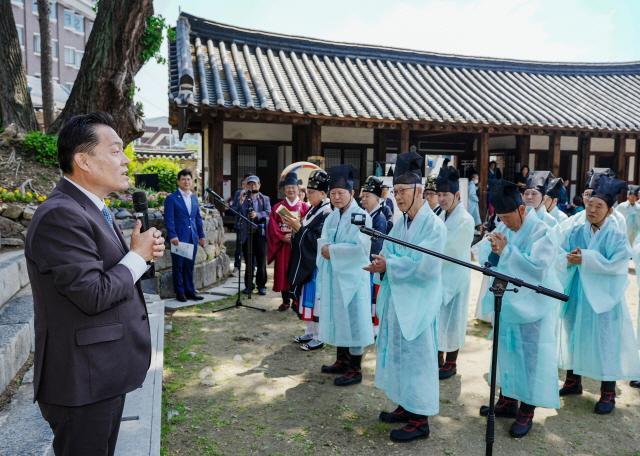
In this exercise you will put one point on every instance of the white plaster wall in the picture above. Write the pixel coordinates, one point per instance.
(602, 144)
(257, 131)
(569, 143)
(631, 145)
(348, 135)
(539, 142)
(226, 159)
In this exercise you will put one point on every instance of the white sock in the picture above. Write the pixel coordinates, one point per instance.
(308, 328)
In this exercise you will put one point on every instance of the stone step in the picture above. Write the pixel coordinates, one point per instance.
(23, 431)
(16, 335)
(13, 274)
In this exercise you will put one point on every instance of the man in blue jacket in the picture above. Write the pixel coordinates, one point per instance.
(184, 224)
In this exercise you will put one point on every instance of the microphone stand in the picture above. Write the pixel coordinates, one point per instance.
(499, 287)
(248, 261)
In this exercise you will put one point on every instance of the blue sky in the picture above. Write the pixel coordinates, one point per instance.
(549, 30)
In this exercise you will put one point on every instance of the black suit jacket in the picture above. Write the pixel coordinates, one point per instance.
(91, 325)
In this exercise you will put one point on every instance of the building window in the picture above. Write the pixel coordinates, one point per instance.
(34, 7)
(79, 55)
(78, 23)
(69, 56)
(20, 30)
(18, 3)
(68, 19)
(54, 49)
(36, 44)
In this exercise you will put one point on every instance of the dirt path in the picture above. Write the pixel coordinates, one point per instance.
(269, 397)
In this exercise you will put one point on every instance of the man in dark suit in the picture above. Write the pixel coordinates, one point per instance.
(184, 224)
(92, 341)
(256, 207)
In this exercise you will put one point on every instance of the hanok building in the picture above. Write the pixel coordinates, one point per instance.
(263, 100)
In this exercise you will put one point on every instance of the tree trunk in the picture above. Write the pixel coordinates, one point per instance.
(112, 57)
(15, 101)
(46, 76)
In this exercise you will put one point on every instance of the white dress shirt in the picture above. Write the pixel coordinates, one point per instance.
(133, 262)
(186, 197)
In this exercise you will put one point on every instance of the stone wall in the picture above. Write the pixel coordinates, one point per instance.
(212, 262)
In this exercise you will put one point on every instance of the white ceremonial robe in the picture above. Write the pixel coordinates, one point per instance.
(452, 320)
(343, 287)
(409, 300)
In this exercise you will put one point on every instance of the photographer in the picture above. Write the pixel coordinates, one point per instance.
(256, 207)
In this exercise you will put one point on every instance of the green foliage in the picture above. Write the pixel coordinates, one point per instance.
(152, 39)
(167, 171)
(43, 146)
(16, 196)
(133, 163)
(171, 34)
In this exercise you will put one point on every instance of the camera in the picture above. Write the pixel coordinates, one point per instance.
(358, 219)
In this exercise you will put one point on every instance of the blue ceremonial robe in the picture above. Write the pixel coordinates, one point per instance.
(558, 215)
(631, 213)
(474, 204)
(343, 286)
(408, 302)
(452, 320)
(547, 218)
(527, 353)
(597, 338)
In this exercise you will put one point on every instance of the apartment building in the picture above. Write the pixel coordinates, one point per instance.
(71, 23)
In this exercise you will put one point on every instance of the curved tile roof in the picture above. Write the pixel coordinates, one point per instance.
(222, 66)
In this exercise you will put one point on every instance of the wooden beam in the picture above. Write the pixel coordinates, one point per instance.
(584, 149)
(619, 151)
(523, 147)
(483, 170)
(554, 153)
(216, 154)
(636, 175)
(404, 139)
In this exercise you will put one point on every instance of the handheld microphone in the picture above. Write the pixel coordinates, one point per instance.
(140, 208)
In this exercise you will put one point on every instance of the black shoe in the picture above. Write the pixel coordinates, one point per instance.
(399, 415)
(448, 370)
(351, 377)
(414, 429)
(195, 297)
(571, 387)
(339, 367)
(522, 425)
(181, 298)
(262, 291)
(310, 346)
(505, 408)
(247, 291)
(634, 383)
(283, 307)
(606, 404)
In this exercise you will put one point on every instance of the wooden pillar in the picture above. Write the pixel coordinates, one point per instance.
(216, 154)
(636, 175)
(523, 146)
(483, 170)
(404, 138)
(620, 162)
(584, 149)
(315, 139)
(379, 146)
(299, 143)
(554, 153)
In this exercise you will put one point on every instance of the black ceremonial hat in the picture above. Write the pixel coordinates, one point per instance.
(595, 174)
(553, 187)
(291, 179)
(505, 197)
(373, 185)
(318, 180)
(447, 180)
(538, 180)
(341, 176)
(408, 169)
(608, 189)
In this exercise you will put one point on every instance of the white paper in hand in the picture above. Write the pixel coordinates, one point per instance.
(184, 249)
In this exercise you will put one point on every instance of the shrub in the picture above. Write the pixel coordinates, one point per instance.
(43, 146)
(167, 171)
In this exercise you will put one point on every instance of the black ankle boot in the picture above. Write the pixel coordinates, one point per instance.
(524, 421)
(416, 428)
(504, 408)
(354, 373)
(572, 385)
(607, 401)
(341, 365)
